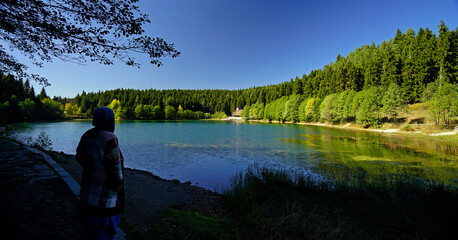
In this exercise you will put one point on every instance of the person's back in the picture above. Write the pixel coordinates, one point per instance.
(102, 185)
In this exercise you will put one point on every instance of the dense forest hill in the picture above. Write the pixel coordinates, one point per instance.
(18, 102)
(394, 73)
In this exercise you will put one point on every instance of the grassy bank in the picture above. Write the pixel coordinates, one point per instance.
(274, 204)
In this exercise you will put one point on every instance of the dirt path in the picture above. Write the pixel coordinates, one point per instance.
(35, 202)
(147, 194)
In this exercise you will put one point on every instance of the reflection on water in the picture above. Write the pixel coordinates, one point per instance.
(375, 155)
(210, 152)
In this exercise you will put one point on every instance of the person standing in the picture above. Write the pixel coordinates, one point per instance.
(102, 197)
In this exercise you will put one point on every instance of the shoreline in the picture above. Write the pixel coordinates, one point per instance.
(436, 134)
(156, 205)
(140, 171)
(352, 126)
(148, 195)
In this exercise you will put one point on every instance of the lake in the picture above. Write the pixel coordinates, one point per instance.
(209, 153)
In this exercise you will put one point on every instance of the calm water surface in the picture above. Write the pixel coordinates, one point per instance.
(210, 152)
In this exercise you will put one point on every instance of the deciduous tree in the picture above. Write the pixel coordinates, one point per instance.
(76, 30)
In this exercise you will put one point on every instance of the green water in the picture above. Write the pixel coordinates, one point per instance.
(208, 153)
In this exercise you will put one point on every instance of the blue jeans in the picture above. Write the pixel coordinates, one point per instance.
(99, 228)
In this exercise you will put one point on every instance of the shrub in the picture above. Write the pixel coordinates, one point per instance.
(219, 115)
(199, 115)
(188, 114)
(407, 128)
(42, 141)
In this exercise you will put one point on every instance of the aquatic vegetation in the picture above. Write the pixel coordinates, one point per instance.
(373, 156)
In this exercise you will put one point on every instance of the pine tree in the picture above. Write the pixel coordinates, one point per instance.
(297, 88)
(32, 92)
(445, 54)
(426, 67)
(391, 67)
(325, 82)
(373, 68)
(355, 77)
(409, 85)
(27, 89)
(341, 76)
(399, 38)
(42, 94)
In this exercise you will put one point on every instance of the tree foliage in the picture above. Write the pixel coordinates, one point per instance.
(18, 102)
(444, 104)
(246, 112)
(292, 108)
(77, 31)
(170, 112)
(392, 100)
(366, 86)
(52, 110)
(369, 110)
(328, 108)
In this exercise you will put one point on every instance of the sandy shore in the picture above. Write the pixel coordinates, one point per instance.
(360, 128)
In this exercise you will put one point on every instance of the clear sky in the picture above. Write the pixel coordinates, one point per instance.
(235, 44)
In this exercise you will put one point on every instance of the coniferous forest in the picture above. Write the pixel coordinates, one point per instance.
(368, 86)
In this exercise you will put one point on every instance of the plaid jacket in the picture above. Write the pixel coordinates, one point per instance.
(102, 185)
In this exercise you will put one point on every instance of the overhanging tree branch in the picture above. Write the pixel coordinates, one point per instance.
(81, 30)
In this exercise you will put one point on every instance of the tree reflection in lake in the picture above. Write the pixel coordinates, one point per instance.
(211, 152)
(357, 154)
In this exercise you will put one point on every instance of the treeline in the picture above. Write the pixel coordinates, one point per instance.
(150, 112)
(369, 107)
(408, 63)
(18, 102)
(410, 60)
(156, 104)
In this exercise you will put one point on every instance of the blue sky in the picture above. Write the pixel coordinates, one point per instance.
(238, 44)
